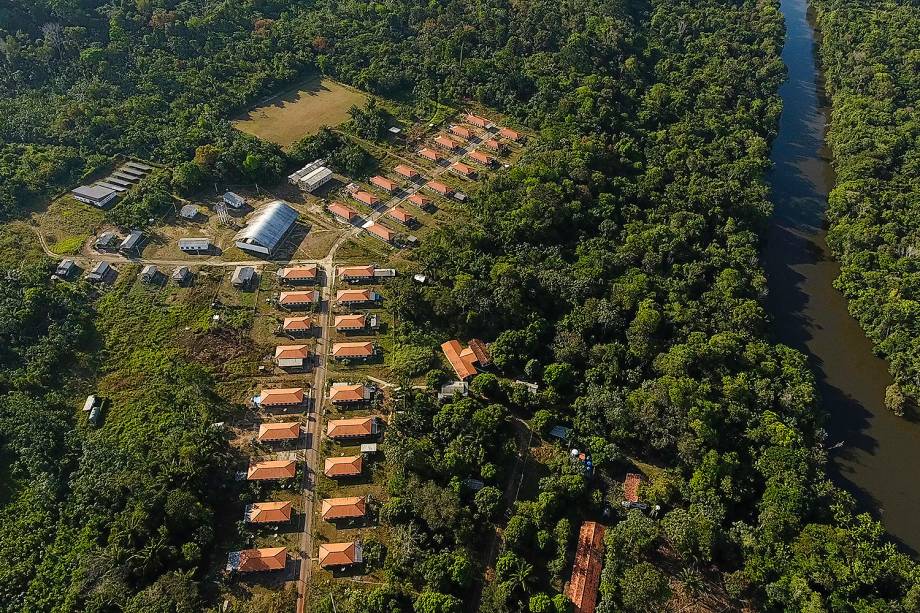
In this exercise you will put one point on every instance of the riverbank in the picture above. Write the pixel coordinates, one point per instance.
(810, 315)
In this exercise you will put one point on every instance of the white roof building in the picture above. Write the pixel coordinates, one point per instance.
(267, 229)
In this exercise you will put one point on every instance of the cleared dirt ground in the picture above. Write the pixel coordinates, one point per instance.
(300, 112)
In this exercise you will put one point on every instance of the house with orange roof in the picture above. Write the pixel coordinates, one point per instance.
(586, 571)
(349, 393)
(356, 427)
(366, 197)
(459, 168)
(340, 554)
(479, 122)
(298, 300)
(257, 560)
(298, 274)
(268, 512)
(349, 507)
(383, 183)
(480, 157)
(437, 186)
(352, 297)
(493, 145)
(297, 325)
(421, 201)
(381, 231)
(461, 131)
(354, 274)
(352, 322)
(401, 215)
(342, 213)
(406, 171)
(353, 351)
(272, 470)
(463, 361)
(446, 142)
(280, 397)
(431, 154)
(275, 431)
(344, 466)
(292, 356)
(509, 134)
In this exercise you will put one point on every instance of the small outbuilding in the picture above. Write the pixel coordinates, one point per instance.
(181, 274)
(65, 269)
(243, 276)
(149, 273)
(189, 211)
(234, 201)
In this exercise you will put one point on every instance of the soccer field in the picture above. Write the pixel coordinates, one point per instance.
(301, 111)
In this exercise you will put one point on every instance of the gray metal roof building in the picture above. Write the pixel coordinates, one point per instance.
(267, 229)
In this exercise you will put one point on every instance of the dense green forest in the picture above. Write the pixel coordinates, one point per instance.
(871, 61)
(616, 265)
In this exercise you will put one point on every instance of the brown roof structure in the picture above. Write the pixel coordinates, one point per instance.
(419, 200)
(297, 324)
(344, 393)
(631, 487)
(462, 360)
(344, 508)
(431, 154)
(351, 428)
(275, 431)
(258, 560)
(345, 466)
(586, 571)
(298, 273)
(477, 121)
(406, 171)
(292, 352)
(438, 187)
(357, 272)
(298, 298)
(401, 215)
(463, 169)
(509, 134)
(365, 197)
(482, 158)
(269, 512)
(340, 554)
(354, 321)
(381, 231)
(281, 396)
(461, 131)
(346, 296)
(358, 349)
(383, 183)
(480, 351)
(446, 142)
(491, 143)
(340, 210)
(272, 469)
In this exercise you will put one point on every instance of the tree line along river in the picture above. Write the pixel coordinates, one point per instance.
(879, 450)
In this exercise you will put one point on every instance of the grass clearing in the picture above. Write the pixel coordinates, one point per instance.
(300, 111)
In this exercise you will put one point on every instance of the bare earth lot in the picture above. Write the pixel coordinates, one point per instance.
(300, 112)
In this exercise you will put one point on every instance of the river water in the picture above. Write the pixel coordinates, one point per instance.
(880, 451)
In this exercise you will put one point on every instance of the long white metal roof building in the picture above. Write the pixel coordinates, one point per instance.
(267, 229)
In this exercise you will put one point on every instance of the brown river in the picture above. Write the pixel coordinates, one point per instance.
(877, 459)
